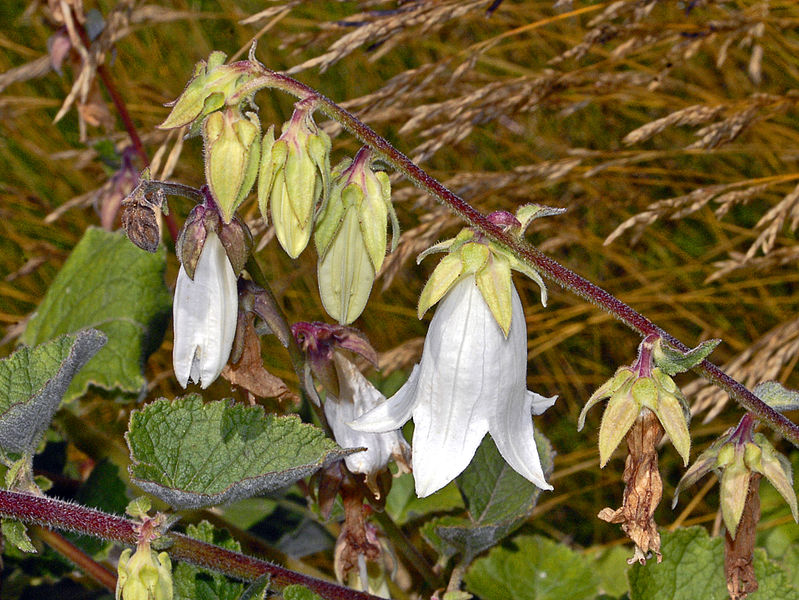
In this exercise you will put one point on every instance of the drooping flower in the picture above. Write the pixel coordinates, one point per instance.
(204, 313)
(471, 381)
(356, 397)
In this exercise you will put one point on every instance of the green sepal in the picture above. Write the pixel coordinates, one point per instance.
(707, 462)
(672, 361)
(329, 222)
(671, 415)
(734, 489)
(253, 160)
(266, 172)
(620, 414)
(606, 390)
(763, 458)
(526, 269)
(373, 217)
(446, 273)
(530, 212)
(494, 283)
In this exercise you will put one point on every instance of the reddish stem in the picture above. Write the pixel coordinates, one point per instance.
(524, 251)
(63, 515)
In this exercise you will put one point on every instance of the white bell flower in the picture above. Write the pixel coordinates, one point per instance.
(356, 397)
(471, 380)
(204, 314)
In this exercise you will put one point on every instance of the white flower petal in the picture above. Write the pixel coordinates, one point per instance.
(358, 396)
(540, 403)
(204, 314)
(394, 412)
(512, 430)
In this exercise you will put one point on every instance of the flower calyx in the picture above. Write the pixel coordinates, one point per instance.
(319, 341)
(735, 457)
(633, 389)
(350, 236)
(232, 143)
(143, 574)
(294, 177)
(206, 218)
(209, 89)
(471, 253)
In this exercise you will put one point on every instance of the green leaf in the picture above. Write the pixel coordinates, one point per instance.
(776, 396)
(403, 505)
(32, 383)
(257, 589)
(109, 284)
(191, 454)
(193, 583)
(497, 499)
(532, 568)
(672, 361)
(16, 534)
(692, 567)
(611, 566)
(774, 582)
(299, 592)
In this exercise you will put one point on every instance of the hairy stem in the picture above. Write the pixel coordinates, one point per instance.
(50, 512)
(533, 257)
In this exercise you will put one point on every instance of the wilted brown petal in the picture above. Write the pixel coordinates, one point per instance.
(249, 372)
(738, 553)
(643, 488)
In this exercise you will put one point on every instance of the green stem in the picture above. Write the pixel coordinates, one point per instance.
(50, 512)
(408, 550)
(524, 251)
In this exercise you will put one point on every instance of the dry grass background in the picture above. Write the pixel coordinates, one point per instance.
(667, 129)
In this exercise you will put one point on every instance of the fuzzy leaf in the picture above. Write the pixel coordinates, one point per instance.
(109, 284)
(532, 568)
(673, 361)
(299, 592)
(192, 582)
(33, 382)
(776, 396)
(191, 454)
(693, 567)
(15, 533)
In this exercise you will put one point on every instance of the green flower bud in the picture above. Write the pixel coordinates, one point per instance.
(212, 84)
(144, 576)
(232, 155)
(350, 237)
(295, 180)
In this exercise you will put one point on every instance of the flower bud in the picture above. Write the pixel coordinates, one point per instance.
(350, 237)
(144, 576)
(208, 90)
(232, 155)
(294, 178)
